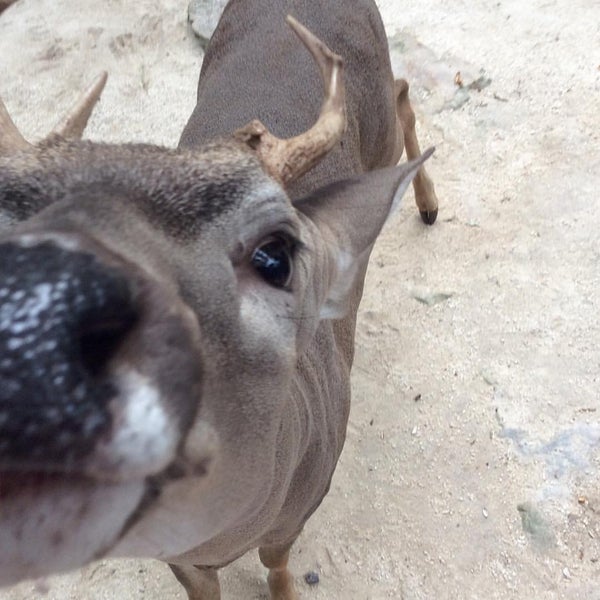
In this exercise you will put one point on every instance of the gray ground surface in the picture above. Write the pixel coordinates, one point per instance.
(472, 463)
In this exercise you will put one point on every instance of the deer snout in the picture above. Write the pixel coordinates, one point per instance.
(100, 366)
(63, 314)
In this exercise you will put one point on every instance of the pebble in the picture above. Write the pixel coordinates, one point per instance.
(311, 578)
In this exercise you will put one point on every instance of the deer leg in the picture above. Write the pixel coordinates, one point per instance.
(281, 582)
(423, 186)
(200, 583)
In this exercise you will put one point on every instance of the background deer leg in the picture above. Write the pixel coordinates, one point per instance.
(200, 583)
(423, 186)
(281, 582)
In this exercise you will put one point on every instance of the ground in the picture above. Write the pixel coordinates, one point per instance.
(472, 466)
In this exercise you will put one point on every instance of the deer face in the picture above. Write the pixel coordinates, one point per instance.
(151, 321)
(149, 327)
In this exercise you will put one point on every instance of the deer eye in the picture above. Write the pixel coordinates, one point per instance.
(272, 260)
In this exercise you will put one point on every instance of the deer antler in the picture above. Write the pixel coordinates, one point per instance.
(288, 159)
(71, 126)
(75, 121)
(11, 139)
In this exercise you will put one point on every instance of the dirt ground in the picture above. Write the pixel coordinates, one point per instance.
(472, 466)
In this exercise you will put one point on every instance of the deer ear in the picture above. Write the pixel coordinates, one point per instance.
(350, 215)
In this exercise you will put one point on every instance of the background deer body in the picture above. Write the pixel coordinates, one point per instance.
(215, 384)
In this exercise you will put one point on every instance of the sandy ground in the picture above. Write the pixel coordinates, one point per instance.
(472, 467)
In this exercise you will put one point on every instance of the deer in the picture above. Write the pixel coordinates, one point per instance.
(177, 325)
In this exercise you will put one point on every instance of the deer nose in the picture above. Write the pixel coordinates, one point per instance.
(63, 315)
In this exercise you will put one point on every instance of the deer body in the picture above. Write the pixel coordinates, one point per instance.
(202, 304)
(257, 69)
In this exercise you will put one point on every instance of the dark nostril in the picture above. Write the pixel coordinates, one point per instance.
(107, 313)
(99, 341)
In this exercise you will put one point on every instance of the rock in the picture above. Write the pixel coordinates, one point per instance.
(311, 578)
(430, 298)
(534, 524)
(204, 16)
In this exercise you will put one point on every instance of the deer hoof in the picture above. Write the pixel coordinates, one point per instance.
(429, 216)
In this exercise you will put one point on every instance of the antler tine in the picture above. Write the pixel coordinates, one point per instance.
(11, 139)
(288, 159)
(73, 124)
(331, 66)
